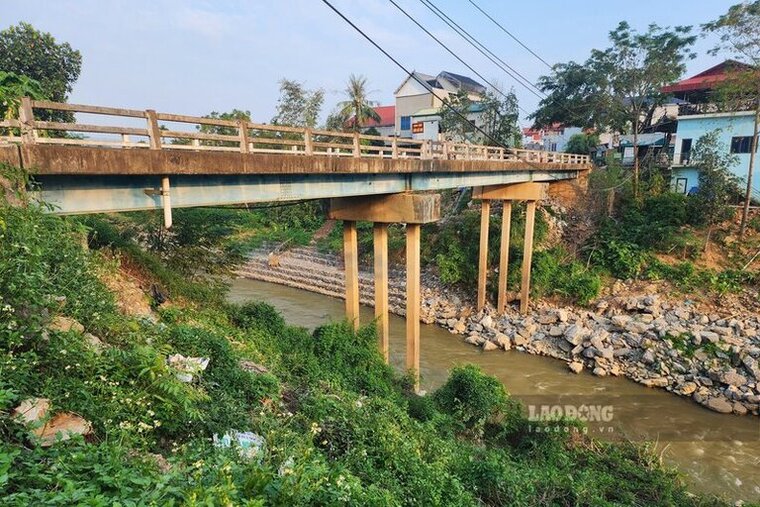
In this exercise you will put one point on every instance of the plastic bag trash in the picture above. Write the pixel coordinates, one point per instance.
(186, 367)
(249, 444)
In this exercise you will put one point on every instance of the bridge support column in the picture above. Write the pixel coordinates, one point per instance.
(506, 224)
(351, 264)
(485, 217)
(166, 201)
(412, 210)
(413, 301)
(530, 192)
(530, 220)
(380, 242)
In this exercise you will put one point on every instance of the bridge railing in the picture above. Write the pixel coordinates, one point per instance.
(148, 129)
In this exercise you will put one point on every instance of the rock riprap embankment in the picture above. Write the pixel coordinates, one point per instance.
(653, 341)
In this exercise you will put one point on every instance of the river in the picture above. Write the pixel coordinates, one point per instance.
(717, 453)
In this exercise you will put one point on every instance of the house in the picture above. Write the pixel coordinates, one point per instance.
(387, 124)
(735, 130)
(419, 92)
(655, 145)
(553, 138)
(698, 115)
(426, 122)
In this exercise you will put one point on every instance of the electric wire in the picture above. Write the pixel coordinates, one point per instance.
(420, 81)
(510, 34)
(444, 46)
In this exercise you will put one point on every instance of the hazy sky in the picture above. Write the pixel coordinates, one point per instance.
(196, 56)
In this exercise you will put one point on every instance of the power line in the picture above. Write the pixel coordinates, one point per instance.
(510, 34)
(420, 81)
(491, 56)
(504, 66)
(444, 46)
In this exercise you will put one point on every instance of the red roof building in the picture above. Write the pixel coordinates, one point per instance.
(696, 88)
(387, 116)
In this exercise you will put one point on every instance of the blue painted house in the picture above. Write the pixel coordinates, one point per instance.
(735, 133)
(698, 115)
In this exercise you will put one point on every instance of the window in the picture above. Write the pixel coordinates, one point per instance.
(685, 151)
(741, 144)
(681, 185)
(405, 123)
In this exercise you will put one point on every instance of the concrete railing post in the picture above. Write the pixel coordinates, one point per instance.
(154, 132)
(308, 141)
(244, 139)
(26, 117)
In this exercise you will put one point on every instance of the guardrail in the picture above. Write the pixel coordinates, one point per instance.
(246, 137)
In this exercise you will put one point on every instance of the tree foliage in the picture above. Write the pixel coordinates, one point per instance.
(618, 87)
(492, 120)
(717, 184)
(358, 109)
(12, 88)
(298, 106)
(582, 144)
(28, 52)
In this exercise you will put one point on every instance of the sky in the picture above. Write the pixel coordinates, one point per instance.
(197, 56)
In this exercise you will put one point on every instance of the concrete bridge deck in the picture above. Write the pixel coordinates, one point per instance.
(205, 161)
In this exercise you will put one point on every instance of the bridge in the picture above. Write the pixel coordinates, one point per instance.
(147, 160)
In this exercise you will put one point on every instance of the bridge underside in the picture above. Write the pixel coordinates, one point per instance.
(93, 180)
(71, 194)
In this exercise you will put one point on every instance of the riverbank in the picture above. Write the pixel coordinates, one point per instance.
(205, 402)
(654, 340)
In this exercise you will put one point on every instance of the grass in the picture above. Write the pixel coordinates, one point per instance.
(339, 427)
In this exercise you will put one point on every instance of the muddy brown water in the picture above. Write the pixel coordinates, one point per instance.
(718, 454)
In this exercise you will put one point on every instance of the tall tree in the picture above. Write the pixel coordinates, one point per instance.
(717, 184)
(739, 35)
(297, 106)
(29, 52)
(618, 88)
(454, 113)
(492, 120)
(358, 109)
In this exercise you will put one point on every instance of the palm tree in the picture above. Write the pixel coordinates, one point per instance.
(358, 107)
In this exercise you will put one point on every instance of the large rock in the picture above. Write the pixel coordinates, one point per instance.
(556, 331)
(752, 367)
(520, 340)
(575, 366)
(599, 372)
(574, 334)
(656, 382)
(503, 341)
(489, 346)
(65, 324)
(733, 378)
(648, 357)
(486, 322)
(719, 404)
(63, 426)
(32, 410)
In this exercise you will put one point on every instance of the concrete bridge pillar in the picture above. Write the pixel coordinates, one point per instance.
(530, 192)
(412, 210)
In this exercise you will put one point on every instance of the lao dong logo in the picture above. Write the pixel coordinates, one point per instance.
(585, 413)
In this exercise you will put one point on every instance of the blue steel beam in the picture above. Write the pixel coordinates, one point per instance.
(96, 194)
